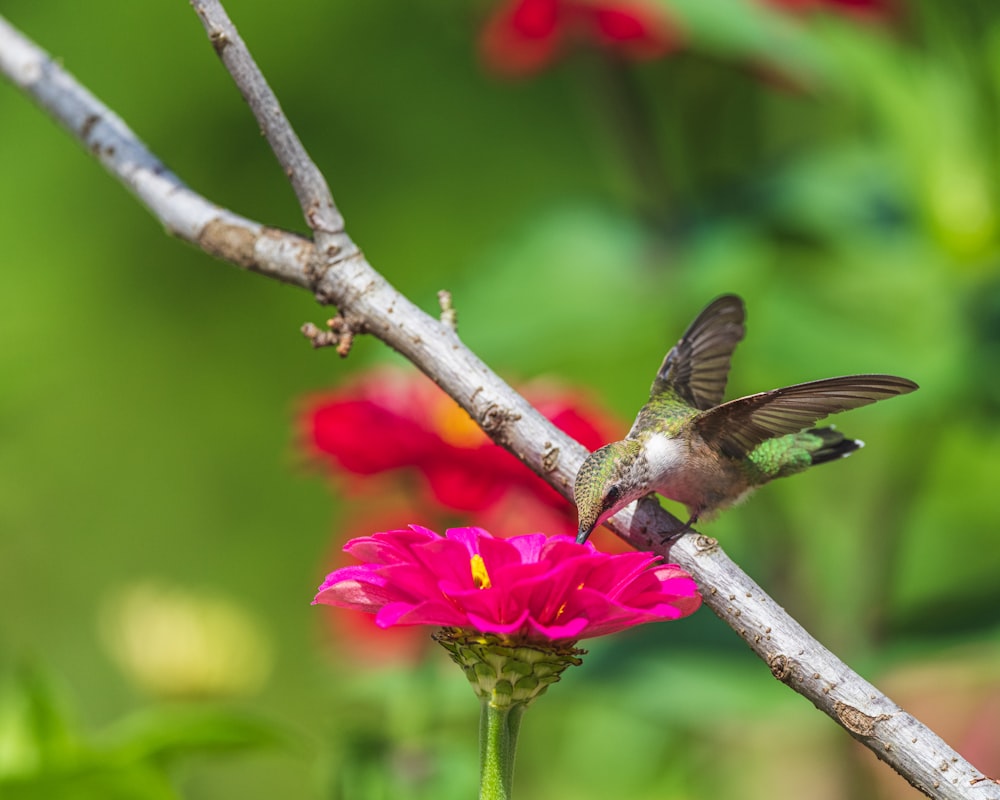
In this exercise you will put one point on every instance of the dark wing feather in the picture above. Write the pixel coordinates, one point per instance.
(738, 426)
(697, 367)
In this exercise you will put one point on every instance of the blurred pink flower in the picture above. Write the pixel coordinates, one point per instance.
(525, 36)
(531, 588)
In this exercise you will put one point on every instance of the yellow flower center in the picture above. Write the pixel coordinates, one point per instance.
(480, 577)
(456, 427)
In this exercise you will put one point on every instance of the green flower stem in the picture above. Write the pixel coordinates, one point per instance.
(498, 729)
(506, 677)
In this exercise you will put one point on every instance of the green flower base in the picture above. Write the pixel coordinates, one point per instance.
(505, 673)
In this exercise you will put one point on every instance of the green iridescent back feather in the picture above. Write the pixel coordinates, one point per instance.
(787, 455)
(665, 413)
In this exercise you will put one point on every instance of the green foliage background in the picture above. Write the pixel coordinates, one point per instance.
(842, 180)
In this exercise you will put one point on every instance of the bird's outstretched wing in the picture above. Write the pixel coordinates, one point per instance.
(696, 368)
(738, 426)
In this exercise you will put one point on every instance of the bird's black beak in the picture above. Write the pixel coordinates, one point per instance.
(583, 535)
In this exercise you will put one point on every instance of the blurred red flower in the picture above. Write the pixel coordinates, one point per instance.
(522, 37)
(525, 36)
(390, 422)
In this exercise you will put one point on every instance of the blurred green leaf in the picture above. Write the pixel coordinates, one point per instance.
(752, 33)
(38, 724)
(937, 119)
(44, 755)
(92, 781)
(164, 735)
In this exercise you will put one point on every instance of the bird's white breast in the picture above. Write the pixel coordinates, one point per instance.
(663, 454)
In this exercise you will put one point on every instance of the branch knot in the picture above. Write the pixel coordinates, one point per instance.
(856, 720)
(340, 333)
(781, 667)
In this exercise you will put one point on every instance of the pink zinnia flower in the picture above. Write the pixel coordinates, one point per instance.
(532, 588)
(524, 36)
(509, 611)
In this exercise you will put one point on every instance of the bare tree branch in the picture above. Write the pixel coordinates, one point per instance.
(310, 186)
(183, 212)
(367, 302)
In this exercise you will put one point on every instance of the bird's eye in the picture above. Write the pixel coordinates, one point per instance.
(612, 496)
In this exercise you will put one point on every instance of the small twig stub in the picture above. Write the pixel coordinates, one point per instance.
(449, 316)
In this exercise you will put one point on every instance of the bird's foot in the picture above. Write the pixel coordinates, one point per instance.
(687, 528)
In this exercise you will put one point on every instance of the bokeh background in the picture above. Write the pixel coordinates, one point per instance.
(582, 188)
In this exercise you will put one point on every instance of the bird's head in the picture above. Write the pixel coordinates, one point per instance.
(605, 484)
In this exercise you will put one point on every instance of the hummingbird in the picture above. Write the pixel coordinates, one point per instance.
(689, 446)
